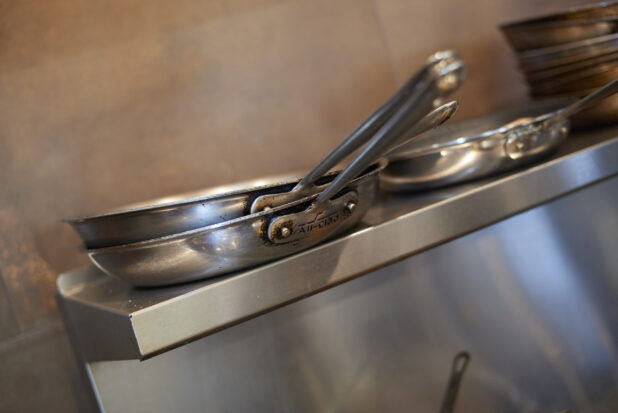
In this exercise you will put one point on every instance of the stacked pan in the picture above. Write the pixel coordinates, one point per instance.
(167, 242)
(569, 54)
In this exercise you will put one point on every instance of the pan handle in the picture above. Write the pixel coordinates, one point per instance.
(330, 207)
(440, 82)
(363, 133)
(376, 120)
(313, 222)
(532, 137)
(458, 368)
(432, 120)
(589, 100)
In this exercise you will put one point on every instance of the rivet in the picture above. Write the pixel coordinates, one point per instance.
(285, 232)
(448, 82)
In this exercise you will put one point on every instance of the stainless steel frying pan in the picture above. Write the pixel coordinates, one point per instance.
(239, 243)
(279, 230)
(483, 146)
(162, 218)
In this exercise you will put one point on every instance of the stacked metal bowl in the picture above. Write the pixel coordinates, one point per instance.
(568, 54)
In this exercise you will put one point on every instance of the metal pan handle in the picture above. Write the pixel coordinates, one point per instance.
(589, 100)
(533, 137)
(439, 82)
(373, 123)
(329, 208)
(458, 368)
(363, 133)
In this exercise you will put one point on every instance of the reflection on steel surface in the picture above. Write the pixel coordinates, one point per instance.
(396, 227)
(532, 298)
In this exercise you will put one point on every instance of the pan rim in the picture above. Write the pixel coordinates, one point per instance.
(373, 169)
(128, 210)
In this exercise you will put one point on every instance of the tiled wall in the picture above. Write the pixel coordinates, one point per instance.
(106, 103)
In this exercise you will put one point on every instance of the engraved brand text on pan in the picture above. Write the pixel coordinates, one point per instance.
(318, 223)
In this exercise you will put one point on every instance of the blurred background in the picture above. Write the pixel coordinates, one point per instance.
(108, 103)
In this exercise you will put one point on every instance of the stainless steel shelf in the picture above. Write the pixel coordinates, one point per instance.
(111, 320)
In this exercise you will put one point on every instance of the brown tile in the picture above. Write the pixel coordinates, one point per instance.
(263, 91)
(8, 323)
(32, 32)
(26, 276)
(39, 374)
(414, 29)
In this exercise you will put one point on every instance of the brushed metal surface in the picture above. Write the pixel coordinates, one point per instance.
(532, 299)
(146, 322)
